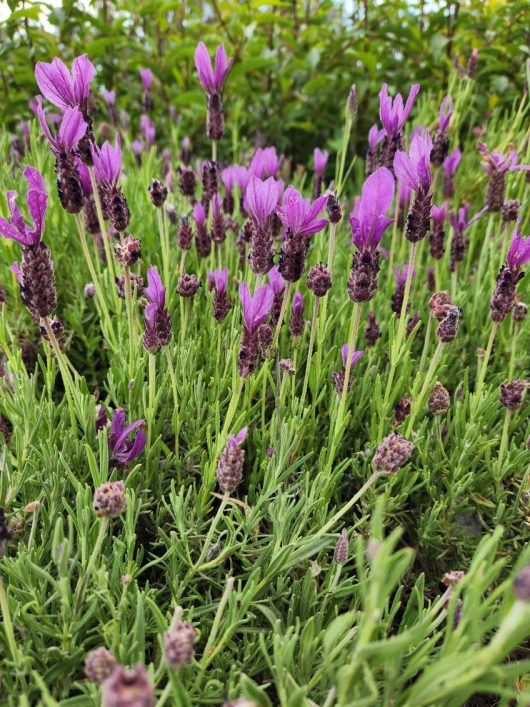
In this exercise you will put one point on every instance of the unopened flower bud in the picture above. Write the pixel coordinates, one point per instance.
(393, 452)
(99, 665)
(110, 499)
(188, 285)
(439, 400)
(128, 688)
(90, 290)
(511, 394)
(341, 548)
(178, 644)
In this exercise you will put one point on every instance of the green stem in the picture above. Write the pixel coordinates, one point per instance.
(175, 399)
(502, 448)
(69, 388)
(364, 488)
(310, 351)
(482, 375)
(130, 321)
(102, 226)
(211, 532)
(281, 317)
(83, 583)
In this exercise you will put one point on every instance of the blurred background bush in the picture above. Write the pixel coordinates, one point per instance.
(295, 60)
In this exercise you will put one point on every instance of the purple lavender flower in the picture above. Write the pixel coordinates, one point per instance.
(265, 163)
(392, 112)
(109, 96)
(123, 449)
(72, 129)
(452, 161)
(278, 285)
(368, 220)
(229, 177)
(148, 130)
(519, 251)
(339, 377)
(437, 237)
(320, 160)
(107, 168)
(297, 321)
(230, 463)
(157, 320)
(255, 311)
(496, 166)
(445, 114)
(260, 201)
(300, 217)
(218, 282)
(137, 147)
(202, 237)
(400, 278)
(438, 213)
(375, 137)
(212, 82)
(413, 169)
(37, 200)
(147, 78)
(63, 88)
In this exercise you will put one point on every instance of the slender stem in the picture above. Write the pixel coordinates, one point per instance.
(214, 150)
(503, 446)
(68, 383)
(182, 261)
(310, 351)
(8, 626)
(131, 322)
(211, 531)
(175, 398)
(83, 583)
(344, 150)
(416, 404)
(208, 655)
(364, 488)
(102, 225)
(164, 244)
(426, 342)
(281, 317)
(514, 330)
(482, 375)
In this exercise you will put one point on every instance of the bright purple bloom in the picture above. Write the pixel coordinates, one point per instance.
(354, 356)
(519, 251)
(400, 274)
(109, 96)
(241, 178)
(297, 306)
(147, 78)
(217, 205)
(261, 199)
(276, 281)
(368, 220)
(62, 88)
(238, 439)
(452, 161)
(265, 162)
(496, 162)
(17, 272)
(404, 192)
(37, 200)
(414, 168)
(444, 116)
(107, 162)
(438, 213)
(299, 215)
(320, 160)
(199, 214)
(255, 308)
(229, 177)
(392, 112)
(72, 129)
(84, 177)
(218, 280)
(121, 448)
(375, 136)
(212, 80)
(459, 220)
(156, 294)
(137, 147)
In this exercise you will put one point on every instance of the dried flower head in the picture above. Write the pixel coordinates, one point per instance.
(341, 548)
(439, 400)
(393, 452)
(511, 394)
(110, 499)
(178, 643)
(99, 665)
(230, 462)
(188, 285)
(128, 688)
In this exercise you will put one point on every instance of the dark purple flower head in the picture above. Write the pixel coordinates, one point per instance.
(496, 162)
(354, 356)
(413, 169)
(265, 162)
(368, 220)
(299, 215)
(400, 274)
(62, 88)
(320, 160)
(107, 162)
(256, 308)
(375, 136)
(393, 113)
(109, 96)
(212, 80)
(261, 199)
(452, 161)
(199, 214)
(147, 78)
(121, 447)
(72, 129)
(519, 251)
(276, 281)
(238, 439)
(37, 200)
(444, 116)
(438, 213)
(218, 280)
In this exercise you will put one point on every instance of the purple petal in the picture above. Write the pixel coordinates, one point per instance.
(37, 201)
(203, 65)
(354, 355)
(405, 170)
(72, 129)
(83, 72)
(155, 291)
(55, 83)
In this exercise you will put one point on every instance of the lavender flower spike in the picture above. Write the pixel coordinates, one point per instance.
(147, 78)
(340, 376)
(265, 162)
(107, 167)
(72, 129)
(368, 220)
(62, 88)
(37, 201)
(255, 310)
(218, 282)
(392, 112)
(121, 448)
(320, 160)
(157, 320)
(375, 136)
(260, 201)
(519, 251)
(445, 114)
(413, 169)
(212, 82)
(300, 217)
